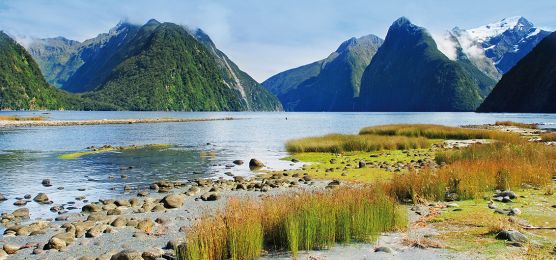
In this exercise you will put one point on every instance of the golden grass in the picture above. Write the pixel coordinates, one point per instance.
(338, 143)
(18, 118)
(293, 222)
(433, 132)
(516, 124)
(548, 137)
(472, 171)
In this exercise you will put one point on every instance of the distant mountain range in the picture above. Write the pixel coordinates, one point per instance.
(168, 67)
(453, 71)
(157, 66)
(22, 87)
(330, 84)
(530, 86)
(495, 48)
(409, 73)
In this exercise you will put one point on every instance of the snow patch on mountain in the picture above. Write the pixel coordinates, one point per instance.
(485, 32)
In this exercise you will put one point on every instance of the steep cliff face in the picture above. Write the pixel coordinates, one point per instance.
(530, 86)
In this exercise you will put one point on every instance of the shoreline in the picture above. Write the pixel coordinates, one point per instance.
(29, 123)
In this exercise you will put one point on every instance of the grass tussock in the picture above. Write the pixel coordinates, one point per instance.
(432, 132)
(548, 137)
(338, 143)
(472, 171)
(516, 124)
(18, 118)
(293, 222)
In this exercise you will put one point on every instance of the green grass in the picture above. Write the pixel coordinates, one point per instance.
(338, 143)
(105, 149)
(293, 222)
(345, 166)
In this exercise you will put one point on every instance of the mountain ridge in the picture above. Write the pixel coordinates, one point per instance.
(409, 73)
(330, 84)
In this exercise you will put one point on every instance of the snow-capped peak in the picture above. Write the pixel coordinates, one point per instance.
(491, 30)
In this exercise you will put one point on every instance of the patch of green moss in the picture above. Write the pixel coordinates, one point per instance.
(346, 166)
(76, 155)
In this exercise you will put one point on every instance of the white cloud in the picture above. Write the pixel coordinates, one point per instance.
(446, 45)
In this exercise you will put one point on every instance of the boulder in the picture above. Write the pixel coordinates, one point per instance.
(2, 197)
(46, 183)
(153, 254)
(173, 201)
(91, 208)
(119, 222)
(11, 248)
(384, 249)
(146, 225)
(210, 196)
(127, 255)
(21, 213)
(512, 236)
(41, 198)
(122, 203)
(56, 243)
(255, 164)
(20, 203)
(362, 164)
(238, 162)
(509, 194)
(514, 212)
(96, 230)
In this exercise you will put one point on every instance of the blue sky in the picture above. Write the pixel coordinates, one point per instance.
(264, 37)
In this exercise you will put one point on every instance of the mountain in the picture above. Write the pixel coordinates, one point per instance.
(409, 73)
(330, 84)
(196, 76)
(502, 43)
(530, 86)
(256, 97)
(22, 86)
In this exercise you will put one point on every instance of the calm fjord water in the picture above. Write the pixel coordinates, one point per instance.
(28, 155)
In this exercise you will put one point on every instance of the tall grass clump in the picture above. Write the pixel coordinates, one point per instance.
(548, 137)
(338, 143)
(516, 124)
(472, 171)
(293, 222)
(430, 131)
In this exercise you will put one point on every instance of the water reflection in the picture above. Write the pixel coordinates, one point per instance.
(28, 155)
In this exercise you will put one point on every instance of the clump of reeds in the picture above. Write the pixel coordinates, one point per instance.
(548, 137)
(293, 222)
(516, 124)
(430, 131)
(18, 118)
(472, 171)
(338, 143)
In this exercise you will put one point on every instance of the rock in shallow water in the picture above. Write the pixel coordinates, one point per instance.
(254, 164)
(41, 198)
(46, 183)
